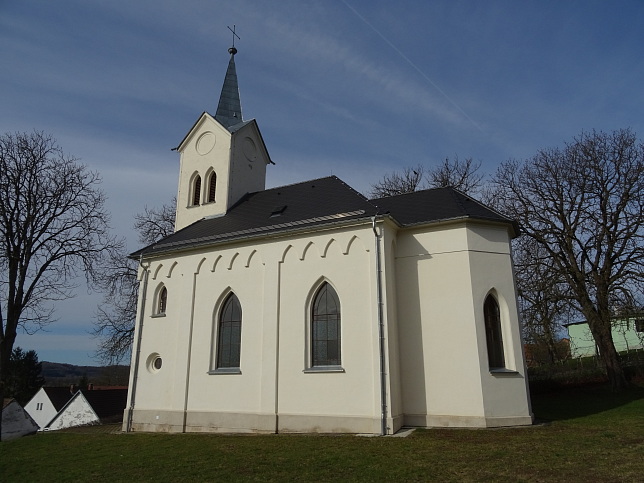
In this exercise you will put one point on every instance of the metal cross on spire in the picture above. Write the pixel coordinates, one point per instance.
(233, 50)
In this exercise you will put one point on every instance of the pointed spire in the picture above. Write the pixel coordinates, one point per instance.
(229, 110)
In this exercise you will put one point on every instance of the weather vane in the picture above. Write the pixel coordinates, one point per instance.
(234, 35)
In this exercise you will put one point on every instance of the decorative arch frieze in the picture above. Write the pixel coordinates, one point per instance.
(287, 250)
(232, 260)
(214, 265)
(156, 271)
(201, 262)
(307, 248)
(328, 245)
(172, 269)
(356, 242)
(253, 256)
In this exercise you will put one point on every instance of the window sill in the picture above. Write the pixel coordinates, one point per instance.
(226, 370)
(502, 371)
(323, 369)
(154, 316)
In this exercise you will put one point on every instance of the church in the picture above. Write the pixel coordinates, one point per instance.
(310, 308)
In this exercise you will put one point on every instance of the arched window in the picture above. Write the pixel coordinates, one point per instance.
(162, 301)
(325, 327)
(212, 187)
(493, 335)
(196, 192)
(229, 333)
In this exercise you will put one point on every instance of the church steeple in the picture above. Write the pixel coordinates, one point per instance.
(222, 157)
(229, 110)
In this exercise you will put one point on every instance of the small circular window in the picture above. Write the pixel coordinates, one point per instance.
(154, 362)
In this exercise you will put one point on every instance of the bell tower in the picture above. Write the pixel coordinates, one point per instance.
(223, 157)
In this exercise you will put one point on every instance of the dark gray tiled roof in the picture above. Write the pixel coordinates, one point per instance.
(106, 402)
(59, 395)
(435, 205)
(320, 202)
(312, 203)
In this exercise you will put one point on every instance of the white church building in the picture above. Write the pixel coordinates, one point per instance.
(310, 308)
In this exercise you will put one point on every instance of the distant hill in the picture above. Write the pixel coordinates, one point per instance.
(57, 374)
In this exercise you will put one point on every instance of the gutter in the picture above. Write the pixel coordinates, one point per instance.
(178, 247)
(137, 354)
(381, 332)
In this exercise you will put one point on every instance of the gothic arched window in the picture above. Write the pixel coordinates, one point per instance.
(325, 327)
(229, 333)
(493, 334)
(162, 301)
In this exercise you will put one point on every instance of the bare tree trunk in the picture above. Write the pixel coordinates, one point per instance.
(608, 354)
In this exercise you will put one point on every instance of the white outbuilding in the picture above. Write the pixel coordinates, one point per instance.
(310, 308)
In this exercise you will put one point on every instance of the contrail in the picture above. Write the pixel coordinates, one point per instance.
(460, 109)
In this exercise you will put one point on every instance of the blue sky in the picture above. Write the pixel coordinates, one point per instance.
(353, 88)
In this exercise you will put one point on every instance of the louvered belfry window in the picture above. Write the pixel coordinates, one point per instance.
(196, 195)
(212, 188)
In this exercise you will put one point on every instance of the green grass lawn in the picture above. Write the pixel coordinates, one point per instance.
(591, 435)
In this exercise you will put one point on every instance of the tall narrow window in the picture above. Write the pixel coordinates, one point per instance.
(229, 334)
(493, 334)
(196, 193)
(212, 187)
(162, 301)
(325, 328)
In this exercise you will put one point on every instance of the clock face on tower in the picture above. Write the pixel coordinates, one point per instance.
(206, 142)
(249, 149)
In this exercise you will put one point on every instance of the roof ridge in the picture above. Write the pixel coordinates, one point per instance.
(409, 193)
(299, 183)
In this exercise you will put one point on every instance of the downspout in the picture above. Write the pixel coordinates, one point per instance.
(381, 333)
(137, 353)
(192, 320)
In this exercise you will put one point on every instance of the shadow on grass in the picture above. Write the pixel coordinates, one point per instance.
(581, 401)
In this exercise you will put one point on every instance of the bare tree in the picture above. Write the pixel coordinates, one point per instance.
(583, 206)
(543, 296)
(116, 315)
(462, 175)
(397, 183)
(155, 223)
(53, 226)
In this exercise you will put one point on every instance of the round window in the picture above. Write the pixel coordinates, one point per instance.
(154, 362)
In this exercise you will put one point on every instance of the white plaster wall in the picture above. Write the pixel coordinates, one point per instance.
(157, 389)
(439, 357)
(274, 280)
(44, 415)
(248, 166)
(443, 347)
(433, 303)
(238, 159)
(192, 161)
(505, 395)
(354, 392)
(77, 413)
(239, 270)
